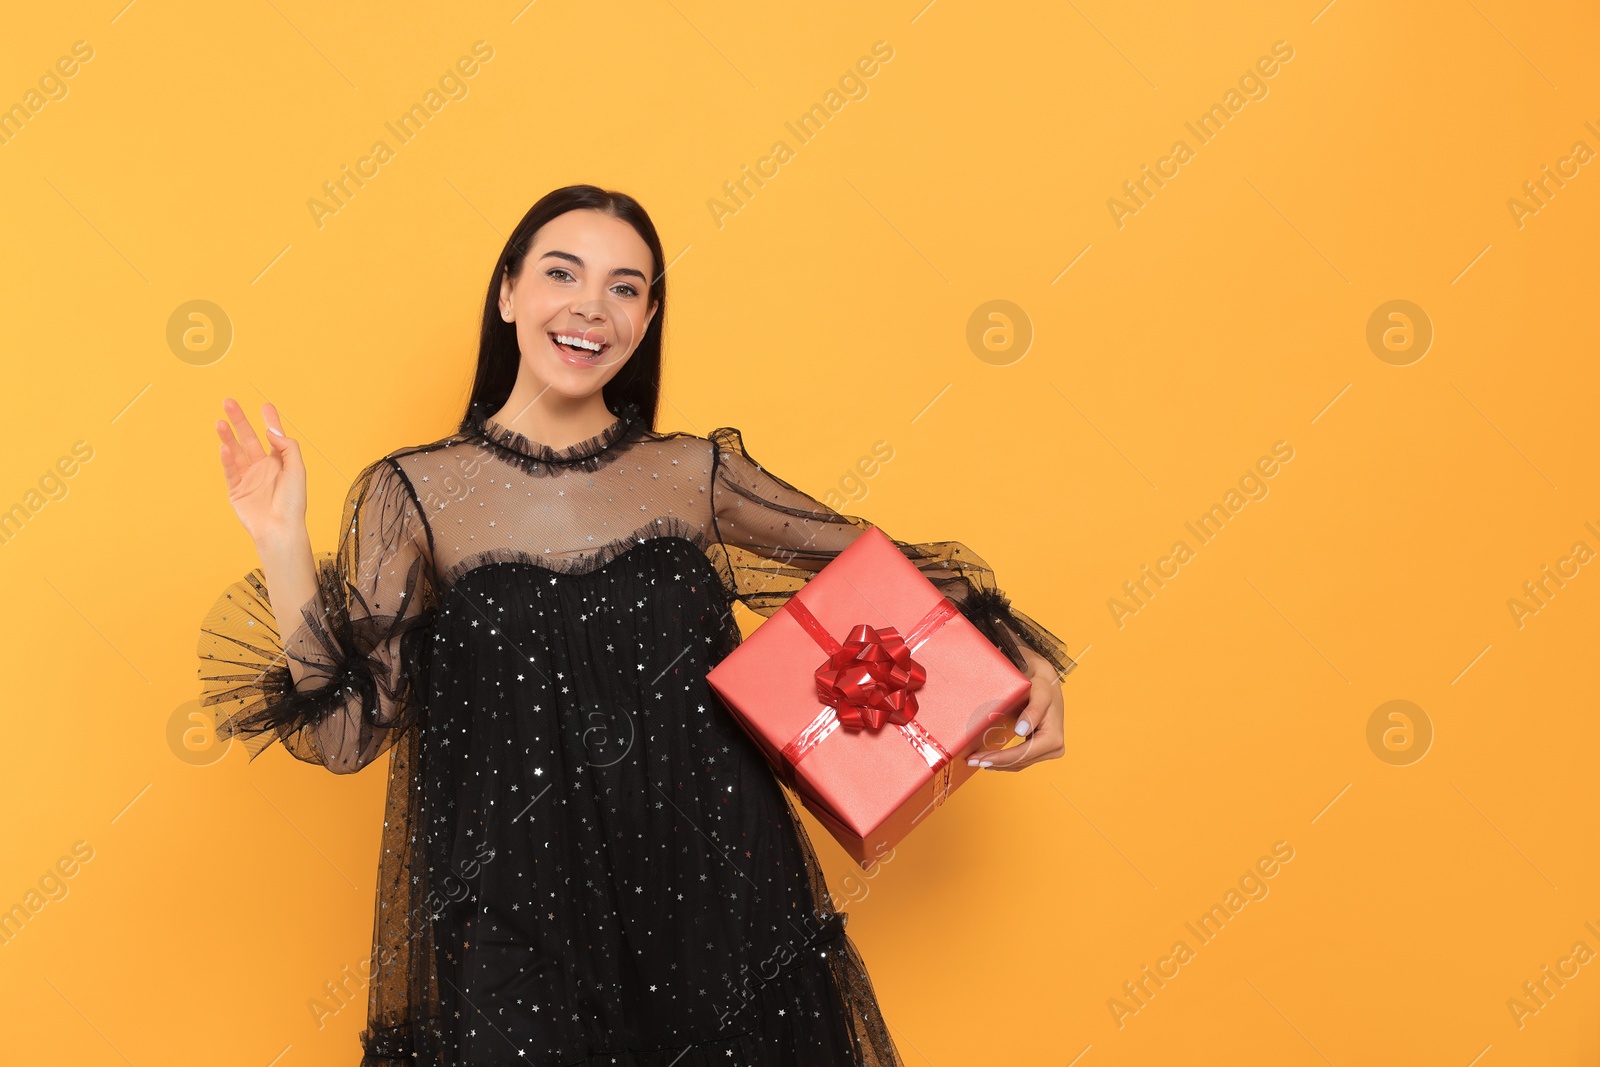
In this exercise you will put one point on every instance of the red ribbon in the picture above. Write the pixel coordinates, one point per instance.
(873, 676)
(869, 680)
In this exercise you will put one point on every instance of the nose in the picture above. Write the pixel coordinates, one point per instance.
(591, 308)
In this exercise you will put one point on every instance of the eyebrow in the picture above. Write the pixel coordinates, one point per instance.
(618, 271)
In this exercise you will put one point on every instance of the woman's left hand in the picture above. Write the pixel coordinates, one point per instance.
(1045, 716)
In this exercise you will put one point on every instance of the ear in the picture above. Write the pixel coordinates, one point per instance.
(651, 314)
(505, 298)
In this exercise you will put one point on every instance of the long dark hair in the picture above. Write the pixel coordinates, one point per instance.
(639, 382)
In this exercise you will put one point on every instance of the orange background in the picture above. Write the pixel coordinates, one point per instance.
(831, 311)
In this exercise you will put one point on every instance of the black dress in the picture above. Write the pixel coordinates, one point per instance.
(585, 859)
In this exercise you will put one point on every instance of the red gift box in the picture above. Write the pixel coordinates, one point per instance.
(867, 692)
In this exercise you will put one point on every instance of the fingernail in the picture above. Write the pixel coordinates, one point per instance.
(973, 762)
(987, 763)
(271, 429)
(1022, 727)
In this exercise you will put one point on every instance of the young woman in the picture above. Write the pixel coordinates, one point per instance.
(585, 858)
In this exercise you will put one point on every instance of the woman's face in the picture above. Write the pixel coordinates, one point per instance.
(585, 283)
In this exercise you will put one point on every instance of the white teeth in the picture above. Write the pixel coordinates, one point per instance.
(577, 342)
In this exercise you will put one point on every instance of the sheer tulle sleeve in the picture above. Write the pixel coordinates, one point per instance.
(362, 640)
(776, 537)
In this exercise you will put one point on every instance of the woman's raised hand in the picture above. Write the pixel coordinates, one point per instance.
(267, 489)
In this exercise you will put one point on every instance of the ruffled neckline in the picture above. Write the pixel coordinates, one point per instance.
(590, 447)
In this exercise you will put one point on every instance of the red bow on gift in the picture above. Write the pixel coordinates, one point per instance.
(869, 680)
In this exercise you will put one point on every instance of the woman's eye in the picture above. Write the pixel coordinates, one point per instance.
(561, 274)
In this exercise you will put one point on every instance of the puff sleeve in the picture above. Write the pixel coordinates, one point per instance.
(777, 537)
(363, 639)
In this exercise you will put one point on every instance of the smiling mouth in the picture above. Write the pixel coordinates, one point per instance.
(579, 348)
